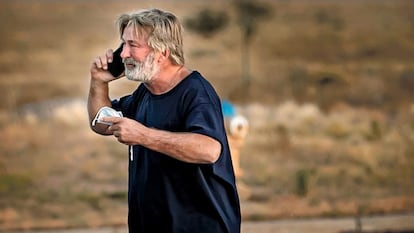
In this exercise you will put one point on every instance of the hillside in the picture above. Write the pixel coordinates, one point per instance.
(330, 107)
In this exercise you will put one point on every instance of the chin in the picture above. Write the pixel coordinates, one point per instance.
(138, 79)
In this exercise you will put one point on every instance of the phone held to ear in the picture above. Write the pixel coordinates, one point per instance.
(116, 67)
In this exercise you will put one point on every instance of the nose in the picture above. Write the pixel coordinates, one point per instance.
(125, 51)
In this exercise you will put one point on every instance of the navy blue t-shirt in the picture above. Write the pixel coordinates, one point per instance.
(167, 195)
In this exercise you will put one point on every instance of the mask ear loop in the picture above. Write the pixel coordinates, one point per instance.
(96, 118)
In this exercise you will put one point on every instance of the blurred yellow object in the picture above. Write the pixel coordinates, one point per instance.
(237, 128)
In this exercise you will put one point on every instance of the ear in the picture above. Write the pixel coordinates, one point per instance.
(164, 55)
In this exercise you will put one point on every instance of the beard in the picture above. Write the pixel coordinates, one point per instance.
(141, 71)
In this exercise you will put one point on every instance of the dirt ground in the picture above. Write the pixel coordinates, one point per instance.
(391, 223)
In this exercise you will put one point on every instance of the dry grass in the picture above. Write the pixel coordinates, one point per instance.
(330, 110)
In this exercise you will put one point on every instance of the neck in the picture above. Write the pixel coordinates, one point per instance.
(167, 79)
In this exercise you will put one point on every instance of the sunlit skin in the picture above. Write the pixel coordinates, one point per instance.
(185, 146)
(138, 57)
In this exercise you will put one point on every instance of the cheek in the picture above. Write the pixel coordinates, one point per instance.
(138, 55)
(136, 58)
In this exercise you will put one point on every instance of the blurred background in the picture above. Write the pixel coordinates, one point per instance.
(327, 87)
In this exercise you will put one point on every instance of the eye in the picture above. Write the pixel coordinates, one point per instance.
(135, 45)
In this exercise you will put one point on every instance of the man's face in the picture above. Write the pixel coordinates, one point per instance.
(139, 60)
(141, 71)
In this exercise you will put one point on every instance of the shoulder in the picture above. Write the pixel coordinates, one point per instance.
(197, 85)
(196, 78)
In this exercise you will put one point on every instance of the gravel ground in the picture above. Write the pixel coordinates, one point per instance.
(376, 223)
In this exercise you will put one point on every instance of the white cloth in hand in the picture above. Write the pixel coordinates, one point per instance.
(105, 112)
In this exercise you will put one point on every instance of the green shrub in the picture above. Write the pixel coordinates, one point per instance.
(375, 131)
(207, 22)
(11, 184)
(330, 18)
(302, 182)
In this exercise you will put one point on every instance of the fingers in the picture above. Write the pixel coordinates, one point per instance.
(115, 128)
(109, 55)
(113, 120)
(101, 62)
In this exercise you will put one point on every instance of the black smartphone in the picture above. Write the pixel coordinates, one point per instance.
(116, 67)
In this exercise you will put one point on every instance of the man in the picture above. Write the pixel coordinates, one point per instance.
(181, 177)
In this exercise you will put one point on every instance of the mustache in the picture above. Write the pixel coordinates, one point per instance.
(129, 61)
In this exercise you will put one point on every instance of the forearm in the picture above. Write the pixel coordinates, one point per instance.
(187, 147)
(98, 97)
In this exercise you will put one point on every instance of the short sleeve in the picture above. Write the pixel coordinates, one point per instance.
(205, 119)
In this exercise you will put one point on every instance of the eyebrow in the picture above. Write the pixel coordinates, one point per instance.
(130, 41)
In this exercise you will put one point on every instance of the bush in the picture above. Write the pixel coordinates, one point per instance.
(302, 182)
(207, 22)
(14, 183)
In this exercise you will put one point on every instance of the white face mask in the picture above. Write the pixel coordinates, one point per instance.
(105, 112)
(142, 71)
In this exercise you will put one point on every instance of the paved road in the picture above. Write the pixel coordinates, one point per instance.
(394, 222)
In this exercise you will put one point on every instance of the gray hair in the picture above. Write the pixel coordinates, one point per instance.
(162, 30)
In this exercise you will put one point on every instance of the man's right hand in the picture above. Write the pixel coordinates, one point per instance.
(99, 68)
